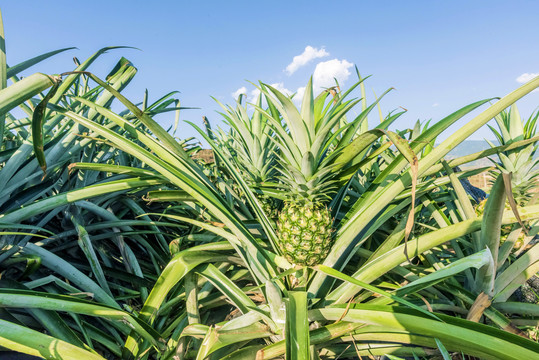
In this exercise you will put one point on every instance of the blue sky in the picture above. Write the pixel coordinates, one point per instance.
(439, 56)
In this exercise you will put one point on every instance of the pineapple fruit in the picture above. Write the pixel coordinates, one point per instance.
(269, 205)
(305, 232)
(529, 291)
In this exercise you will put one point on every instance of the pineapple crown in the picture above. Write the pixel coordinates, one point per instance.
(248, 142)
(309, 140)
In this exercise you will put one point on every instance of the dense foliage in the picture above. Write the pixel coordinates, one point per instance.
(313, 234)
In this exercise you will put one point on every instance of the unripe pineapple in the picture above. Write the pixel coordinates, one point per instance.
(527, 294)
(304, 233)
(308, 170)
(269, 205)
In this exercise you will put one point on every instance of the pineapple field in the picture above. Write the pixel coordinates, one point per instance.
(308, 228)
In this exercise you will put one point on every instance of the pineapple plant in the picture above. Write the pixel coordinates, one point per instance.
(521, 163)
(179, 307)
(308, 174)
(250, 146)
(191, 299)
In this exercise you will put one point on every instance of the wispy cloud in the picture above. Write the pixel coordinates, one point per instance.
(524, 78)
(310, 53)
(435, 105)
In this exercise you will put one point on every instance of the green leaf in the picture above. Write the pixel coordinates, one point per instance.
(50, 320)
(116, 169)
(490, 234)
(216, 337)
(338, 275)
(161, 133)
(31, 342)
(64, 268)
(476, 260)
(442, 349)
(3, 76)
(375, 268)
(175, 270)
(56, 201)
(511, 278)
(233, 293)
(85, 243)
(22, 90)
(457, 334)
(16, 69)
(37, 127)
(297, 327)
(39, 300)
(319, 336)
(299, 127)
(382, 191)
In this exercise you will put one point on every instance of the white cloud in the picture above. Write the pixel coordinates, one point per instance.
(241, 90)
(299, 95)
(326, 72)
(524, 78)
(252, 95)
(324, 77)
(281, 88)
(308, 55)
(435, 105)
(278, 86)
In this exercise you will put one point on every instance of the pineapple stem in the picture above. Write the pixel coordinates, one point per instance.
(301, 279)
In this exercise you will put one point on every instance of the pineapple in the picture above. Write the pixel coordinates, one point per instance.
(528, 293)
(308, 175)
(270, 205)
(304, 232)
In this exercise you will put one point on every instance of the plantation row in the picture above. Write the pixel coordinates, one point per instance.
(312, 234)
